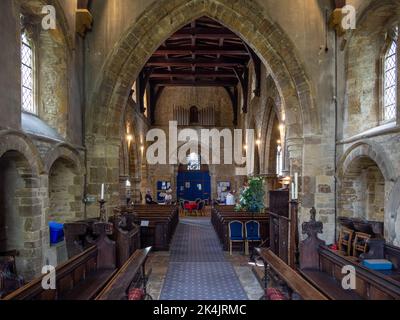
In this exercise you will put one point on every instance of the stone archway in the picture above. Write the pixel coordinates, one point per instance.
(247, 19)
(65, 184)
(21, 202)
(366, 186)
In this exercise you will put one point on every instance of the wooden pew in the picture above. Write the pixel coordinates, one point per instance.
(79, 235)
(133, 270)
(80, 278)
(370, 285)
(295, 282)
(322, 267)
(126, 236)
(9, 278)
(162, 222)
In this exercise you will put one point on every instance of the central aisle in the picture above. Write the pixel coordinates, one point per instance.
(197, 269)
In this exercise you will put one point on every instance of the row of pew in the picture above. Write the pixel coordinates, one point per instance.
(320, 276)
(157, 224)
(106, 259)
(221, 216)
(85, 276)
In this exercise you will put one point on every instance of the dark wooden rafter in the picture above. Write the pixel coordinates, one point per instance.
(142, 83)
(184, 62)
(257, 69)
(244, 84)
(191, 74)
(195, 83)
(203, 53)
(234, 96)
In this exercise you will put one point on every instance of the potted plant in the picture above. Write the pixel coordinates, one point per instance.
(252, 196)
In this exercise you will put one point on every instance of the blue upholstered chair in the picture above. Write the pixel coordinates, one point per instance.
(235, 233)
(252, 229)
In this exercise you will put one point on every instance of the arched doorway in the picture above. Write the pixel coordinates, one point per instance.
(193, 180)
(366, 179)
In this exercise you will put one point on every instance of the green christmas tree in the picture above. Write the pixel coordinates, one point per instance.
(252, 196)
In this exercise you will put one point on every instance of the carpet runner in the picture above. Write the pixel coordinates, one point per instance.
(198, 269)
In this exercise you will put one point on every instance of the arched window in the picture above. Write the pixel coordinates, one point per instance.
(390, 80)
(27, 74)
(194, 163)
(194, 115)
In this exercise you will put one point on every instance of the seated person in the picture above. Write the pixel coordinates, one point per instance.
(149, 198)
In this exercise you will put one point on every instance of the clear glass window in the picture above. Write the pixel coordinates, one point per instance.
(27, 77)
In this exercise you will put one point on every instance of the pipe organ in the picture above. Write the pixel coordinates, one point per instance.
(206, 116)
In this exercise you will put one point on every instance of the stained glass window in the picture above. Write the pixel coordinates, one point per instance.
(27, 95)
(390, 82)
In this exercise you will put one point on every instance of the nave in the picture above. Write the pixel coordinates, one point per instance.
(124, 125)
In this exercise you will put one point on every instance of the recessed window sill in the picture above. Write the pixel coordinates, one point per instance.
(386, 128)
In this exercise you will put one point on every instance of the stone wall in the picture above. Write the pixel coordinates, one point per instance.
(65, 192)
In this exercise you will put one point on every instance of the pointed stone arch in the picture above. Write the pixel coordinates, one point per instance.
(161, 19)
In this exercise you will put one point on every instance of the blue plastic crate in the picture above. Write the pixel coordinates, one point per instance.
(56, 232)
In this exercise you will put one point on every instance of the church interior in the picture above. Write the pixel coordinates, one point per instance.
(199, 150)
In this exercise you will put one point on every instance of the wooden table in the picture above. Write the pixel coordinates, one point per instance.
(290, 276)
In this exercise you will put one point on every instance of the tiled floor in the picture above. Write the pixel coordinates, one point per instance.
(159, 262)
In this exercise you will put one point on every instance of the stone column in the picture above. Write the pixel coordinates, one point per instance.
(103, 167)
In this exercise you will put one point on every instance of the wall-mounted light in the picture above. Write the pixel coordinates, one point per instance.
(281, 127)
(142, 148)
(286, 181)
(258, 142)
(279, 142)
(128, 183)
(245, 147)
(129, 137)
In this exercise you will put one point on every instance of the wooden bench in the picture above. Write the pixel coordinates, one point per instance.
(294, 281)
(79, 235)
(322, 267)
(370, 285)
(9, 278)
(133, 270)
(126, 236)
(162, 222)
(80, 278)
